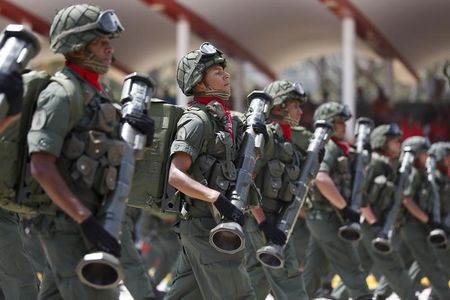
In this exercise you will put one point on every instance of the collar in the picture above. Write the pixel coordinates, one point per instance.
(88, 75)
(206, 99)
(344, 145)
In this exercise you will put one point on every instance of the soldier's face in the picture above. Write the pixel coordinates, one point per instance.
(339, 128)
(216, 78)
(101, 47)
(294, 109)
(393, 147)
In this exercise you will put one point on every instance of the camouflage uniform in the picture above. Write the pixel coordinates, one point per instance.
(414, 233)
(277, 172)
(380, 188)
(202, 272)
(325, 248)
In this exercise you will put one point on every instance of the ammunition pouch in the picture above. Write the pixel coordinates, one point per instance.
(272, 181)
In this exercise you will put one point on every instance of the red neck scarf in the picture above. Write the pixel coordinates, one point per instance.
(286, 128)
(206, 99)
(90, 76)
(344, 145)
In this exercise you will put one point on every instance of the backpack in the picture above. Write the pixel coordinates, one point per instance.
(150, 189)
(19, 192)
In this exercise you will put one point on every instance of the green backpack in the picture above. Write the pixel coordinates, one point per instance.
(150, 189)
(19, 192)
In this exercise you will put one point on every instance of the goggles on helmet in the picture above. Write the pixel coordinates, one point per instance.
(344, 112)
(206, 50)
(107, 22)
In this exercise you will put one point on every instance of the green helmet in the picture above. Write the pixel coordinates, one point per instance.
(382, 133)
(331, 110)
(192, 66)
(283, 90)
(75, 26)
(418, 144)
(439, 150)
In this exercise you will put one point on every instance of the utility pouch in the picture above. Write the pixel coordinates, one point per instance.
(286, 152)
(115, 153)
(87, 167)
(107, 117)
(272, 179)
(96, 144)
(73, 147)
(108, 180)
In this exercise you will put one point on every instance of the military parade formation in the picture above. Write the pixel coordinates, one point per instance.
(96, 191)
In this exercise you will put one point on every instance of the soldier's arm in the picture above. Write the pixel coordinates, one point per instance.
(258, 213)
(368, 215)
(179, 179)
(45, 171)
(415, 210)
(327, 187)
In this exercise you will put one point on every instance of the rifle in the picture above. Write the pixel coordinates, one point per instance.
(18, 47)
(99, 269)
(382, 243)
(352, 231)
(272, 255)
(228, 237)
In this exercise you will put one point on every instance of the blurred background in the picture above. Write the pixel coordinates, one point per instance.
(383, 58)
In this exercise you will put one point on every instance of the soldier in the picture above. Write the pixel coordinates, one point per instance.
(202, 169)
(62, 143)
(330, 193)
(417, 220)
(277, 172)
(441, 152)
(380, 186)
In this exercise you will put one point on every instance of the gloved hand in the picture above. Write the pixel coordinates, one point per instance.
(376, 228)
(272, 233)
(260, 128)
(11, 85)
(99, 237)
(228, 210)
(350, 214)
(142, 123)
(435, 225)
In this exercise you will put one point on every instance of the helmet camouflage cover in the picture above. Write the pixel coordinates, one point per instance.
(331, 110)
(64, 36)
(283, 90)
(193, 65)
(418, 144)
(439, 150)
(382, 133)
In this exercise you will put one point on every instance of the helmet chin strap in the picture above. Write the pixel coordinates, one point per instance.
(288, 119)
(213, 92)
(91, 62)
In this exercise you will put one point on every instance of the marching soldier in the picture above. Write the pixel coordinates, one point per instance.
(202, 169)
(329, 202)
(277, 172)
(62, 142)
(418, 220)
(380, 186)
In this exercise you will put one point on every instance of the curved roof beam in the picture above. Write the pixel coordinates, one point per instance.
(368, 32)
(20, 15)
(206, 30)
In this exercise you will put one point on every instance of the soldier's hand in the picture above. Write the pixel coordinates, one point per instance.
(436, 225)
(11, 85)
(142, 123)
(272, 233)
(376, 228)
(228, 210)
(99, 237)
(260, 128)
(350, 214)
